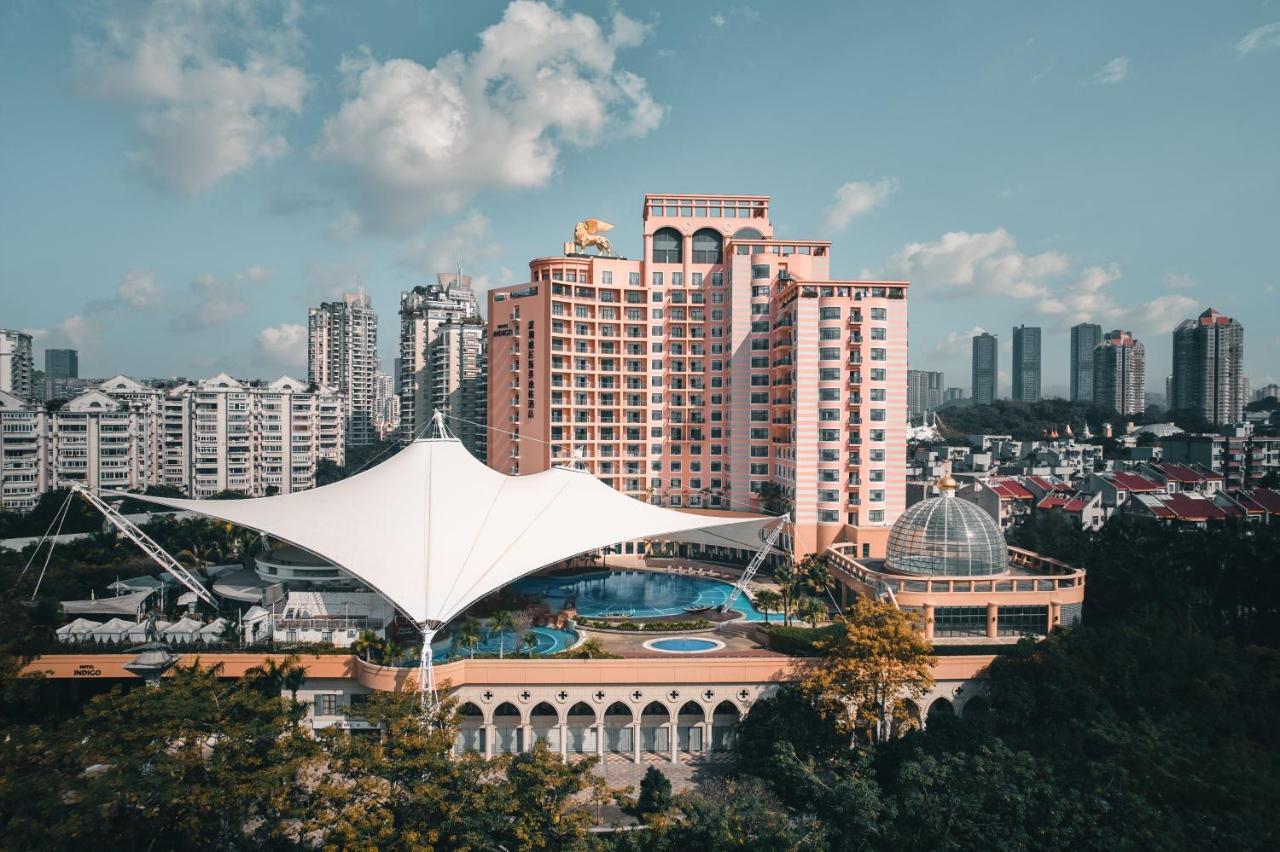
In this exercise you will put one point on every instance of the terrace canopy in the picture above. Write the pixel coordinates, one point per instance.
(434, 530)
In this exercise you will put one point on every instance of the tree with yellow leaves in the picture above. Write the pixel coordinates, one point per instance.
(874, 659)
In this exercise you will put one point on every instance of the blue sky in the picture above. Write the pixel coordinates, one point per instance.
(181, 179)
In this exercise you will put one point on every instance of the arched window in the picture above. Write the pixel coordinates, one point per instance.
(747, 234)
(666, 246)
(707, 246)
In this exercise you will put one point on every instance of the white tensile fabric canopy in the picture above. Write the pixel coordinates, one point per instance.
(434, 530)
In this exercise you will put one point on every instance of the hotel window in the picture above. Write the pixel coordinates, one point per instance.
(829, 334)
(657, 279)
(759, 470)
(828, 394)
(717, 279)
(878, 394)
(633, 278)
(879, 355)
(761, 380)
(877, 496)
(759, 270)
(828, 374)
(879, 334)
(760, 416)
(829, 313)
(828, 516)
(828, 455)
(606, 277)
(707, 246)
(828, 434)
(759, 452)
(326, 705)
(876, 516)
(666, 246)
(878, 374)
(760, 398)
(876, 455)
(828, 476)
(829, 353)
(877, 434)
(828, 496)
(877, 414)
(877, 475)
(829, 415)
(879, 314)
(677, 279)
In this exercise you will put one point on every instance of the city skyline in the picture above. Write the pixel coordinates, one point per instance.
(303, 213)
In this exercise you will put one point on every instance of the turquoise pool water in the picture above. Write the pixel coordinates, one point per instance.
(634, 594)
(684, 645)
(550, 641)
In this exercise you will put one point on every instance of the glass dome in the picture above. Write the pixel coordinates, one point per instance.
(948, 537)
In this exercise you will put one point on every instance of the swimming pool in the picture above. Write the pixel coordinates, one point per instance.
(635, 594)
(550, 641)
(684, 645)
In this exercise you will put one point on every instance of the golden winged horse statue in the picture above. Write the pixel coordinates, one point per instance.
(590, 233)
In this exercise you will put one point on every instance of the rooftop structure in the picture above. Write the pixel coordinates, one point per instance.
(944, 536)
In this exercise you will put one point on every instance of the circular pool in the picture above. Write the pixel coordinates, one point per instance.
(684, 645)
(635, 594)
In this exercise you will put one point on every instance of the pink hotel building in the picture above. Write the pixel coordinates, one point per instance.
(724, 369)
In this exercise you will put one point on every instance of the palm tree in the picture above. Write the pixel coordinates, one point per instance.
(817, 574)
(501, 621)
(368, 646)
(788, 577)
(768, 601)
(288, 673)
(467, 634)
(529, 642)
(811, 610)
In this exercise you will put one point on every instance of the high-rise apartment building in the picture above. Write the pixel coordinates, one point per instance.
(16, 365)
(1085, 337)
(924, 391)
(342, 355)
(1266, 392)
(1208, 367)
(216, 435)
(443, 361)
(725, 368)
(986, 368)
(386, 405)
(61, 364)
(1120, 373)
(1026, 363)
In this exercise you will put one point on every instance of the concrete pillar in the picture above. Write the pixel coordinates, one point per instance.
(993, 617)
(488, 740)
(564, 741)
(928, 621)
(635, 741)
(527, 737)
(706, 737)
(1055, 614)
(600, 741)
(675, 740)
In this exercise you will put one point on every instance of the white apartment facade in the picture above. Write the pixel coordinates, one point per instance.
(16, 363)
(443, 360)
(342, 354)
(218, 434)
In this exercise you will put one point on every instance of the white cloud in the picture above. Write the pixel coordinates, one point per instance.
(962, 263)
(202, 116)
(1113, 72)
(857, 198)
(419, 141)
(465, 243)
(717, 20)
(1265, 37)
(991, 264)
(957, 344)
(283, 345)
(217, 301)
(138, 289)
(1180, 281)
